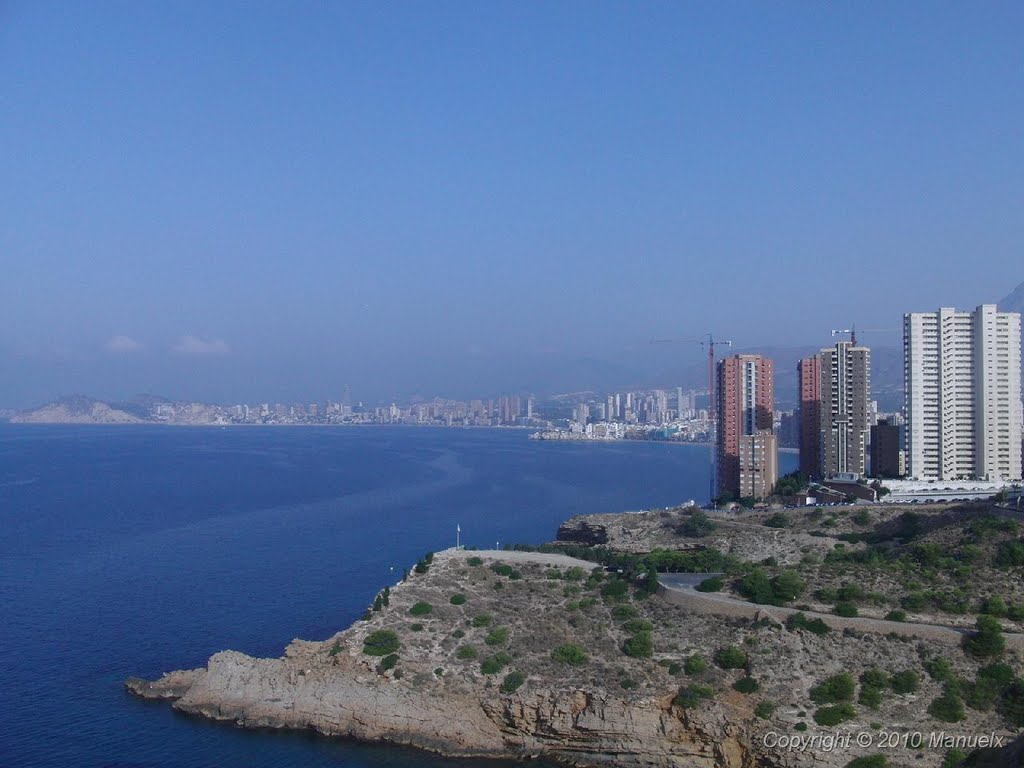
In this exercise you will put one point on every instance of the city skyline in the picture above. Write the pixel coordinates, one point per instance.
(237, 201)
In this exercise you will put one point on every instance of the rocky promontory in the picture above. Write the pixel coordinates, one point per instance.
(523, 654)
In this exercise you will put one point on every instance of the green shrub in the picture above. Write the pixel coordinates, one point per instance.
(730, 657)
(695, 664)
(336, 648)
(1011, 703)
(575, 574)
(746, 685)
(380, 643)
(988, 641)
(847, 609)
(457, 599)
(1001, 674)
(764, 710)
(835, 689)
(512, 682)
(502, 569)
(416, 627)
(875, 678)
(466, 652)
(638, 625)
(674, 668)
(515, 576)
(870, 696)
(778, 520)
(800, 621)
(949, 707)
(458, 634)
(623, 612)
(421, 608)
(941, 670)
(497, 636)
(953, 759)
(801, 726)
(982, 694)
(388, 662)
(861, 518)
(691, 695)
(915, 602)
(711, 584)
(896, 615)
(870, 761)
(494, 664)
(639, 646)
(482, 619)
(834, 714)
(616, 589)
(570, 653)
(475, 561)
(697, 525)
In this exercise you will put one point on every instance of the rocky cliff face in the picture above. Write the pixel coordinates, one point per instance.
(350, 699)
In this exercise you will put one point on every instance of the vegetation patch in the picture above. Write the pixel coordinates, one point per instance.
(422, 608)
(570, 653)
(689, 696)
(730, 657)
(834, 714)
(457, 599)
(497, 636)
(512, 682)
(380, 643)
(494, 664)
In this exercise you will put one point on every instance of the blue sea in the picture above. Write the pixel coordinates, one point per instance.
(138, 550)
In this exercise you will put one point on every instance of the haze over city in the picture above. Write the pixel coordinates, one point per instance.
(233, 202)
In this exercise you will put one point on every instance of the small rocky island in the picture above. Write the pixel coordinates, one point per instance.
(894, 633)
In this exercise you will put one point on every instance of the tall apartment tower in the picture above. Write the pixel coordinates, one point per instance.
(963, 388)
(845, 386)
(809, 372)
(747, 448)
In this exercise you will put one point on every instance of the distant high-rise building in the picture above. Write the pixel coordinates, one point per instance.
(845, 384)
(809, 372)
(885, 449)
(747, 449)
(963, 388)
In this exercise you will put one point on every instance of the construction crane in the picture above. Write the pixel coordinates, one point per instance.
(853, 332)
(708, 342)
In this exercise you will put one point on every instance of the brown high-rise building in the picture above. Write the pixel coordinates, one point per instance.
(747, 451)
(809, 371)
(845, 384)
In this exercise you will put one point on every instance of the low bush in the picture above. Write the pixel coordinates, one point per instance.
(695, 664)
(421, 608)
(494, 664)
(800, 621)
(835, 689)
(764, 709)
(730, 657)
(834, 714)
(746, 685)
(639, 646)
(616, 589)
(475, 561)
(623, 612)
(380, 643)
(691, 695)
(988, 642)
(497, 636)
(512, 682)
(638, 625)
(466, 652)
(711, 584)
(846, 609)
(949, 707)
(457, 599)
(388, 662)
(896, 615)
(482, 619)
(570, 653)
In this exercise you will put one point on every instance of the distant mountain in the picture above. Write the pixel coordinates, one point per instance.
(1014, 302)
(75, 409)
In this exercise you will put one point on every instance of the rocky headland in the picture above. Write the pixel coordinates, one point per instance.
(592, 662)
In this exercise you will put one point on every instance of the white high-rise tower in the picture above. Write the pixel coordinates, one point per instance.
(963, 390)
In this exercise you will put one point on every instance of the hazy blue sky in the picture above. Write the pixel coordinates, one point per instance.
(270, 201)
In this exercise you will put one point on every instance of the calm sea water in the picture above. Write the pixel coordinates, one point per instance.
(137, 550)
